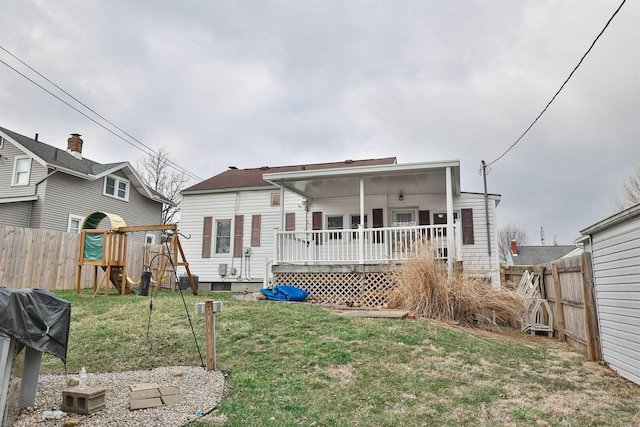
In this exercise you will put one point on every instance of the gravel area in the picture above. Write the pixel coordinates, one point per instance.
(202, 392)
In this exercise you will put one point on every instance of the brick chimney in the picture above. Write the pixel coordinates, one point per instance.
(74, 145)
(514, 248)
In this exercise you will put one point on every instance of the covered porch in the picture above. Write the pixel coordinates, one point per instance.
(350, 260)
(392, 236)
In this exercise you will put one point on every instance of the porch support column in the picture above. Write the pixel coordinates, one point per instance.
(450, 239)
(281, 207)
(361, 224)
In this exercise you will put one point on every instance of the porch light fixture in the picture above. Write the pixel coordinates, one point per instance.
(401, 197)
(440, 215)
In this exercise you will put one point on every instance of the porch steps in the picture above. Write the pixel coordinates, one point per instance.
(376, 314)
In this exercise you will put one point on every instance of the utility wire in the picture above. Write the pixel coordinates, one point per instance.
(563, 84)
(148, 153)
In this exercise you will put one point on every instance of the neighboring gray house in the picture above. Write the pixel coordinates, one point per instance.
(42, 186)
(615, 246)
(536, 255)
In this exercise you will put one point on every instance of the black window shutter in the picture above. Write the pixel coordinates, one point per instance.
(237, 235)
(316, 224)
(206, 236)
(425, 219)
(378, 222)
(467, 227)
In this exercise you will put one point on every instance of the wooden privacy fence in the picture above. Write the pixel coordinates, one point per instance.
(48, 259)
(567, 284)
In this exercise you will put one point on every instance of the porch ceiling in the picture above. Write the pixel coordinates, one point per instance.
(412, 178)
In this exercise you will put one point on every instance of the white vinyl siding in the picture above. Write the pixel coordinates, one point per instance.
(225, 206)
(88, 197)
(616, 266)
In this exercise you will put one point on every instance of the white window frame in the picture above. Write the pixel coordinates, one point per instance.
(216, 237)
(14, 175)
(395, 212)
(150, 239)
(78, 218)
(275, 200)
(333, 236)
(117, 181)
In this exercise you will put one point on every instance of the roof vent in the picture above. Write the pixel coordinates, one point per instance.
(348, 161)
(264, 167)
(233, 168)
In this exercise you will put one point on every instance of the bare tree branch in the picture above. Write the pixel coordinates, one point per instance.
(630, 191)
(157, 174)
(506, 235)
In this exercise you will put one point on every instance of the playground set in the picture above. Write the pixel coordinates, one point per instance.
(106, 249)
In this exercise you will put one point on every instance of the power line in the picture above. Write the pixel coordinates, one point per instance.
(563, 84)
(148, 153)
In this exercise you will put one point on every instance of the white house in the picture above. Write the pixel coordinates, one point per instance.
(615, 246)
(334, 225)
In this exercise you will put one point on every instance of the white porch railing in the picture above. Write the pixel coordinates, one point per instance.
(359, 246)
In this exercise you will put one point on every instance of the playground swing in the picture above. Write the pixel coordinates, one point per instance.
(106, 249)
(146, 277)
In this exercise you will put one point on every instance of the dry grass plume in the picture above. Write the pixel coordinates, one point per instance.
(423, 287)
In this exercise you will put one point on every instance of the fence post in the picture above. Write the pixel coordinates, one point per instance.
(590, 314)
(559, 309)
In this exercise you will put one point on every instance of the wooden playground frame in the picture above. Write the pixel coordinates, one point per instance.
(114, 256)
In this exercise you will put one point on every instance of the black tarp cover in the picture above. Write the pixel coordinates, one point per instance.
(37, 318)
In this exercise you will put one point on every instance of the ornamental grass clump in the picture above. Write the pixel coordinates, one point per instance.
(423, 287)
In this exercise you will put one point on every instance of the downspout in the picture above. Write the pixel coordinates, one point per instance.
(281, 207)
(35, 193)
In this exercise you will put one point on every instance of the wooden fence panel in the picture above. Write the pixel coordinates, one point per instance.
(48, 259)
(567, 284)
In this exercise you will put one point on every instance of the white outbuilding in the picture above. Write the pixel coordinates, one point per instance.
(615, 246)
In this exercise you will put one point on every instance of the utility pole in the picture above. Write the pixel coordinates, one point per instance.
(486, 209)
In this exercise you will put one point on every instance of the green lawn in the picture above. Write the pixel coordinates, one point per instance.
(295, 364)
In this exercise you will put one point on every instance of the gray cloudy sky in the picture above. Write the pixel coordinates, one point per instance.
(253, 83)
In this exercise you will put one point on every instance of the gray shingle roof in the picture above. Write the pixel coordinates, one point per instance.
(534, 255)
(243, 178)
(56, 158)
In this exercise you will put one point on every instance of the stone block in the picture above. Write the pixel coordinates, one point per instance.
(83, 400)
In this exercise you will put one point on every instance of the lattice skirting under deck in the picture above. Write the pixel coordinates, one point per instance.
(368, 289)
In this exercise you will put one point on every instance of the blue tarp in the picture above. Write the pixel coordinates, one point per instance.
(285, 293)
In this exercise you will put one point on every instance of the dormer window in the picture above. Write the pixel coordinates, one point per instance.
(21, 170)
(117, 187)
